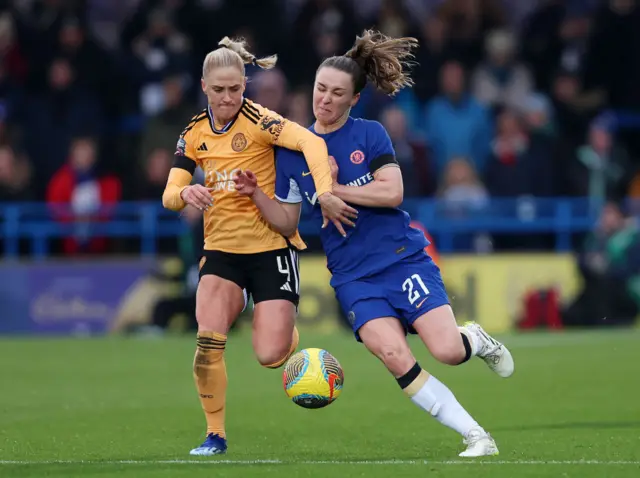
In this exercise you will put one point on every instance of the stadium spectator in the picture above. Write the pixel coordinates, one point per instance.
(600, 168)
(456, 124)
(574, 108)
(501, 81)
(159, 51)
(14, 176)
(468, 21)
(321, 29)
(538, 115)
(269, 88)
(540, 40)
(154, 176)
(462, 195)
(65, 110)
(78, 193)
(610, 266)
(394, 19)
(14, 63)
(433, 53)
(518, 166)
(611, 61)
(411, 153)
(91, 64)
(160, 129)
(461, 190)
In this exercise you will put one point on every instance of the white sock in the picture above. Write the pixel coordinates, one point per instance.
(435, 398)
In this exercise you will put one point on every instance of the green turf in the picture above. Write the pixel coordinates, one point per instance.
(92, 403)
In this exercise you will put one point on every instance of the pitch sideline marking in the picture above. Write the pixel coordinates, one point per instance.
(320, 462)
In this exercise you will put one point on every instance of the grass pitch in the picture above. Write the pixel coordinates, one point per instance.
(127, 408)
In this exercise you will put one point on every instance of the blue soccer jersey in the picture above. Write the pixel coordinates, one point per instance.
(381, 236)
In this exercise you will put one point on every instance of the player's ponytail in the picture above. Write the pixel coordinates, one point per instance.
(379, 59)
(235, 53)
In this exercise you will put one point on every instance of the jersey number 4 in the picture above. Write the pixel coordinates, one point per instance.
(290, 270)
(408, 286)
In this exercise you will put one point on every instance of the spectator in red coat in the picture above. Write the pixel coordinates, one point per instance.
(79, 194)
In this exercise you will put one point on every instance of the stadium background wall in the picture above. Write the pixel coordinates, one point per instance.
(99, 297)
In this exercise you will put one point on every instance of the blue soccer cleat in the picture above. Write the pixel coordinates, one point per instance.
(213, 445)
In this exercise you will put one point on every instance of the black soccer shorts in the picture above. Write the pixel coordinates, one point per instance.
(267, 275)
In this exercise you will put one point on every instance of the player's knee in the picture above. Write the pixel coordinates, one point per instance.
(273, 357)
(396, 357)
(448, 353)
(213, 321)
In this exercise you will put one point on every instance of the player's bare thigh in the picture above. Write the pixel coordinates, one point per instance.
(385, 338)
(273, 322)
(219, 302)
(439, 332)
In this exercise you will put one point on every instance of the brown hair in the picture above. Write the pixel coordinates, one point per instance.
(235, 53)
(379, 59)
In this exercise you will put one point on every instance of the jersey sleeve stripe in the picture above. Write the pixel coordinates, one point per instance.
(198, 117)
(253, 117)
(250, 118)
(183, 162)
(193, 122)
(253, 109)
(381, 161)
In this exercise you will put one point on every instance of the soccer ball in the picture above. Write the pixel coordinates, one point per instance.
(313, 378)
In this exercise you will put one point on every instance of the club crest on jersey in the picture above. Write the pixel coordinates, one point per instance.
(239, 142)
(357, 157)
(181, 147)
(272, 125)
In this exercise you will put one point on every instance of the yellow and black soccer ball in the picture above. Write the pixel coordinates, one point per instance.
(313, 378)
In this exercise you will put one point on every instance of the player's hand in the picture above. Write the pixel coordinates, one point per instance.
(334, 169)
(337, 211)
(197, 196)
(246, 183)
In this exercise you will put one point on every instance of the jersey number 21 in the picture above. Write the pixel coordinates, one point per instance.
(408, 286)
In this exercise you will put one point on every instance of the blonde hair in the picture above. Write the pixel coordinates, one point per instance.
(235, 53)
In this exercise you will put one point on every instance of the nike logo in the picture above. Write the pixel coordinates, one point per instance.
(306, 174)
(421, 302)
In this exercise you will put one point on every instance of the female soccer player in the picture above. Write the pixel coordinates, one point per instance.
(241, 252)
(384, 280)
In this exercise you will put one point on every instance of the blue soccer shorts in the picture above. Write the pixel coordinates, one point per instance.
(405, 290)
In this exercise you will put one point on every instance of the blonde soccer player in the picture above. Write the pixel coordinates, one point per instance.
(242, 253)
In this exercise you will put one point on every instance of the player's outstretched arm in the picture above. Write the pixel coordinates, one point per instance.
(178, 181)
(283, 218)
(386, 190)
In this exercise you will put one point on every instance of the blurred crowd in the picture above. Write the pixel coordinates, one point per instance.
(512, 97)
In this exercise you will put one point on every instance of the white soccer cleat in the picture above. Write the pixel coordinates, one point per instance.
(479, 443)
(494, 353)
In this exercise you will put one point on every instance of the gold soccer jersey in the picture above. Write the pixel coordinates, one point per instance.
(234, 224)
